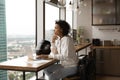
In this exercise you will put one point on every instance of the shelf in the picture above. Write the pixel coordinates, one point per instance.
(105, 12)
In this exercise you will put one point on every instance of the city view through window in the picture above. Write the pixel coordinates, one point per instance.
(20, 25)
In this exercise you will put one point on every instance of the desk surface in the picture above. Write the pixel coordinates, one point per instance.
(24, 64)
(82, 46)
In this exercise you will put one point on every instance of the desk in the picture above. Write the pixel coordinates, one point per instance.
(25, 65)
(106, 47)
(82, 46)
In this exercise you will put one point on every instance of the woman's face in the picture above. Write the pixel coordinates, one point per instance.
(58, 30)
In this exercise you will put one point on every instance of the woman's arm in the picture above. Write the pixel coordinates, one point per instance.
(64, 49)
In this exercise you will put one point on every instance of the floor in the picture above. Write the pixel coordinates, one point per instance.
(107, 78)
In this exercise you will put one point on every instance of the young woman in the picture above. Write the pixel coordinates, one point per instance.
(62, 48)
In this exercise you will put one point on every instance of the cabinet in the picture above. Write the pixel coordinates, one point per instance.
(108, 61)
(105, 12)
(115, 62)
(102, 61)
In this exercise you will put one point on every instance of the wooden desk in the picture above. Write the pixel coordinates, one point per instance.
(106, 47)
(25, 65)
(82, 46)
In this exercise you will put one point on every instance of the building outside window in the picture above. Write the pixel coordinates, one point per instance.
(3, 46)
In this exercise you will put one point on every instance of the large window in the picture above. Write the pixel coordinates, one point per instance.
(51, 15)
(20, 25)
(20, 21)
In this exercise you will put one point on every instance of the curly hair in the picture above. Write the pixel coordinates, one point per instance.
(64, 26)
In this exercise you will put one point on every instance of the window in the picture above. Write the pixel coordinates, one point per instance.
(20, 21)
(69, 14)
(69, 17)
(51, 15)
(20, 25)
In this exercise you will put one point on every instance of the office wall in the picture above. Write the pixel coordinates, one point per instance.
(106, 32)
(84, 19)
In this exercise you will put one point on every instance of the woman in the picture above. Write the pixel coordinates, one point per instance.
(62, 48)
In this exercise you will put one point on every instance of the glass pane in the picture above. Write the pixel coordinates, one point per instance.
(69, 12)
(69, 17)
(51, 15)
(118, 11)
(104, 12)
(69, 20)
(20, 22)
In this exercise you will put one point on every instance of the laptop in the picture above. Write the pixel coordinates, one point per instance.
(29, 52)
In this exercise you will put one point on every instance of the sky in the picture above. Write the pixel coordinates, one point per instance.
(20, 17)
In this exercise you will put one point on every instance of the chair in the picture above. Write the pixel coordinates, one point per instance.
(77, 76)
(86, 68)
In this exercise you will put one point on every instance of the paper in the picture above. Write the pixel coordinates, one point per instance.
(40, 61)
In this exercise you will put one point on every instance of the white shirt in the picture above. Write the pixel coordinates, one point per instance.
(63, 50)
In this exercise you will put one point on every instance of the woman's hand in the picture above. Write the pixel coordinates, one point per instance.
(54, 38)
